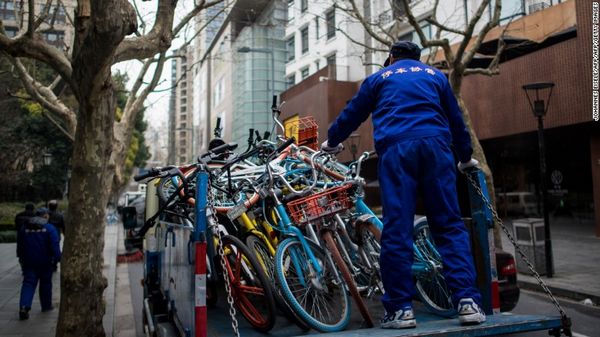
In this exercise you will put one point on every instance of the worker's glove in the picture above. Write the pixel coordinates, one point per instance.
(471, 163)
(331, 149)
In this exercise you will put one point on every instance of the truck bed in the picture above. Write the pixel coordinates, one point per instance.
(427, 325)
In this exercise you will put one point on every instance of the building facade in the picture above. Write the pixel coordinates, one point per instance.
(549, 41)
(57, 28)
(317, 35)
(240, 68)
(182, 140)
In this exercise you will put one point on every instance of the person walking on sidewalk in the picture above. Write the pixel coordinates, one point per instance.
(38, 251)
(56, 217)
(23, 217)
(415, 121)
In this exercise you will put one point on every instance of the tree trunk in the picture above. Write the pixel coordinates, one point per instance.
(456, 84)
(82, 304)
(82, 283)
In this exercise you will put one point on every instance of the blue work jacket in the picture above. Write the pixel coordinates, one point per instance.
(38, 243)
(407, 99)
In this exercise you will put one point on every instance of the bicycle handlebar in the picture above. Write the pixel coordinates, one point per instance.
(285, 144)
(153, 172)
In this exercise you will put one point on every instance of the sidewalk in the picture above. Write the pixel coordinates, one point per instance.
(576, 268)
(44, 324)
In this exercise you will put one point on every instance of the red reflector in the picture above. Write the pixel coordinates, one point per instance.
(509, 268)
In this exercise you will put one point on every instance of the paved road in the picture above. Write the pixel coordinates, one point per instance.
(586, 319)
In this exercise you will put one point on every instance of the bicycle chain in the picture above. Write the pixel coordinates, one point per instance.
(213, 226)
(541, 282)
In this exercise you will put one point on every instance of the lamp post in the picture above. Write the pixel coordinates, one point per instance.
(193, 140)
(46, 161)
(265, 51)
(539, 107)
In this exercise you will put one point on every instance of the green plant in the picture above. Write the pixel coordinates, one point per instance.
(8, 236)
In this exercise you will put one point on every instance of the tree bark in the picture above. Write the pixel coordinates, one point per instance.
(82, 305)
(456, 84)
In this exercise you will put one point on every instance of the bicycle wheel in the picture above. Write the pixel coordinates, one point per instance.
(430, 286)
(250, 287)
(331, 244)
(368, 278)
(320, 300)
(261, 252)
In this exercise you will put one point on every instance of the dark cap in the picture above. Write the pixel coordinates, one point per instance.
(405, 50)
(29, 206)
(41, 211)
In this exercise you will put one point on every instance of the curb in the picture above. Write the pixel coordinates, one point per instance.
(111, 234)
(559, 292)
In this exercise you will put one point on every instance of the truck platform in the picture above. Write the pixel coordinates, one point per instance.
(427, 325)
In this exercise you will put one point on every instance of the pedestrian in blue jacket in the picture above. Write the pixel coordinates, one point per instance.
(416, 122)
(38, 251)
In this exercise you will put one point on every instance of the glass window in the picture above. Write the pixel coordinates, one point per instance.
(291, 46)
(414, 37)
(317, 64)
(304, 72)
(304, 39)
(290, 10)
(303, 5)
(290, 81)
(317, 27)
(11, 31)
(511, 10)
(330, 17)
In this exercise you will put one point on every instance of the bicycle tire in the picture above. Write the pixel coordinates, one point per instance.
(258, 247)
(330, 242)
(368, 238)
(261, 290)
(329, 285)
(431, 287)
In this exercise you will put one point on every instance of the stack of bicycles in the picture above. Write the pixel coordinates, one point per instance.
(293, 232)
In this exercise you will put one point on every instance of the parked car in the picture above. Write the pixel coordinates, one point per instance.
(507, 280)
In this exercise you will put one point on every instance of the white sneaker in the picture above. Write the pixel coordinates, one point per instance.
(469, 312)
(401, 319)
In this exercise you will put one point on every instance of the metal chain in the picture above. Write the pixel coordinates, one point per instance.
(213, 224)
(541, 282)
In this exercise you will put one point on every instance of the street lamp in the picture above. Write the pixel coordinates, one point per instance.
(265, 51)
(46, 161)
(539, 107)
(47, 157)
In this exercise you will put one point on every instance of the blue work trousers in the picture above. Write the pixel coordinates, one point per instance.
(31, 276)
(425, 166)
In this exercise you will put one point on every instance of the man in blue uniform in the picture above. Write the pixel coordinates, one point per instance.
(416, 120)
(38, 251)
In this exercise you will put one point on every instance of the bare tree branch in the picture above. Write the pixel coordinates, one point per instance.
(31, 19)
(356, 13)
(425, 42)
(484, 31)
(37, 48)
(43, 15)
(45, 96)
(162, 33)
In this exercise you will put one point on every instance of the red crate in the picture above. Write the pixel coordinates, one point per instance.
(328, 202)
(308, 132)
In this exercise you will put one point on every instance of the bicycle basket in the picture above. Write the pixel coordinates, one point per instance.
(328, 202)
(307, 131)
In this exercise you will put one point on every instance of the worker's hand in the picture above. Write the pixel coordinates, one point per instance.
(331, 149)
(471, 163)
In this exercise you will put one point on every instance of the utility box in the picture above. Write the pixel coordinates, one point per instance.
(530, 236)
